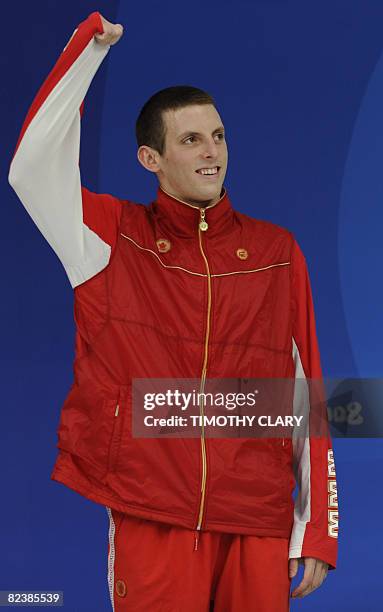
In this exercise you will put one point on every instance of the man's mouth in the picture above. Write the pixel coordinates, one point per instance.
(209, 173)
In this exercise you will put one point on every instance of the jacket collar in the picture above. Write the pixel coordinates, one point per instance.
(178, 217)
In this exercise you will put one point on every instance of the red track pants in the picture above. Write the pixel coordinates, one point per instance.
(155, 567)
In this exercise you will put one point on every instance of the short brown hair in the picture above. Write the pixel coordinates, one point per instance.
(150, 126)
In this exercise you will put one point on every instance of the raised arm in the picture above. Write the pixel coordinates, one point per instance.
(79, 225)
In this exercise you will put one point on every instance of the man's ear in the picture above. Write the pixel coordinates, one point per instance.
(148, 157)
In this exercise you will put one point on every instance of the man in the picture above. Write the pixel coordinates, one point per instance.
(185, 288)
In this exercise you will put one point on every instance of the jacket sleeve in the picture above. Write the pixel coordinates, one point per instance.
(79, 225)
(315, 528)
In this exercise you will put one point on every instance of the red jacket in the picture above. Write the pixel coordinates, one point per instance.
(157, 297)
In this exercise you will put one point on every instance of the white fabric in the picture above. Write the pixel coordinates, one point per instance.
(301, 454)
(45, 171)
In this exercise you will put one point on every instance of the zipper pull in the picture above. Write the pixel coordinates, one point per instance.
(196, 538)
(202, 224)
(117, 410)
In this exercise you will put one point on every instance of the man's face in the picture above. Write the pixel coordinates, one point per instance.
(195, 139)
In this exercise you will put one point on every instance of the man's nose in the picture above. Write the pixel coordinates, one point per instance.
(210, 149)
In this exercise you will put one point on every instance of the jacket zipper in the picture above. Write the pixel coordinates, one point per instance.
(112, 451)
(202, 227)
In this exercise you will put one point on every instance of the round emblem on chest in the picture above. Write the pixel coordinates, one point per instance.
(163, 245)
(242, 254)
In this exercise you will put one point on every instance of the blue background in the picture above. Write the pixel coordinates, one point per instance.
(299, 86)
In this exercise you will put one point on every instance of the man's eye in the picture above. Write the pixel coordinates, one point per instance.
(221, 136)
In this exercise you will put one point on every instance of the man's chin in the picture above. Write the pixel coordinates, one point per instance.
(204, 195)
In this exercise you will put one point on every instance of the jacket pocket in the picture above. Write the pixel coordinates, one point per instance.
(279, 459)
(119, 410)
(91, 427)
(286, 445)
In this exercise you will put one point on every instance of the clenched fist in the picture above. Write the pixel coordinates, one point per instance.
(112, 33)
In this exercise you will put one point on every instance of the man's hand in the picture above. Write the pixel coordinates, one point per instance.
(112, 32)
(314, 574)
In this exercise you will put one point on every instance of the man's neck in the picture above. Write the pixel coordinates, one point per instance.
(199, 203)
